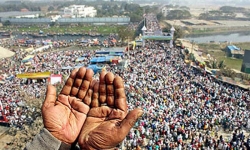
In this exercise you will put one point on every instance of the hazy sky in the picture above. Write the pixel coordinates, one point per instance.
(180, 2)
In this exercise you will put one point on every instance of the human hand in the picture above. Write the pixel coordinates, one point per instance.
(106, 126)
(63, 116)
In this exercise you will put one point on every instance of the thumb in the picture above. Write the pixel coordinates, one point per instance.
(50, 97)
(129, 121)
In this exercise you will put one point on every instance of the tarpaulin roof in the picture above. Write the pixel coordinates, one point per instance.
(109, 52)
(233, 47)
(157, 37)
(67, 67)
(101, 59)
(95, 68)
(98, 60)
(35, 75)
(27, 58)
(5, 52)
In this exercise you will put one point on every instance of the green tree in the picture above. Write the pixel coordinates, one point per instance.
(221, 64)
(7, 23)
(178, 14)
(124, 33)
(214, 65)
(230, 9)
(179, 32)
(160, 16)
(51, 8)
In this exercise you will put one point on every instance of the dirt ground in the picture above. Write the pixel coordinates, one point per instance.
(4, 137)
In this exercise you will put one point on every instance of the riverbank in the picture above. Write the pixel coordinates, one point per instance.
(217, 30)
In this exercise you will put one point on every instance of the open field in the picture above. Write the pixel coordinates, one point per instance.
(102, 29)
(195, 26)
(217, 51)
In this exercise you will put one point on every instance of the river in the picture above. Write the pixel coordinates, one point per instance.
(221, 37)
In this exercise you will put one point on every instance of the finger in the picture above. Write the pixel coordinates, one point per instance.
(87, 99)
(95, 95)
(78, 81)
(129, 121)
(85, 84)
(50, 97)
(109, 78)
(102, 87)
(69, 83)
(79, 106)
(120, 97)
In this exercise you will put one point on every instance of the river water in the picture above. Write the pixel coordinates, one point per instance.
(221, 37)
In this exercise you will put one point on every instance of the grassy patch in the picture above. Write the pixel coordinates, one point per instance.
(211, 46)
(233, 63)
(102, 29)
(220, 55)
(243, 45)
(217, 51)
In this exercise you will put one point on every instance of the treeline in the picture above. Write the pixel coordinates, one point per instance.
(108, 9)
(18, 7)
(175, 12)
(225, 13)
(104, 8)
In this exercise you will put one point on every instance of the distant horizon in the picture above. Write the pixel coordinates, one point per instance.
(192, 3)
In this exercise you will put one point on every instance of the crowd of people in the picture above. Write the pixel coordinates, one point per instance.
(184, 107)
(16, 91)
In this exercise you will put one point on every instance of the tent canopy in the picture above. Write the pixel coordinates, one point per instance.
(27, 58)
(5, 52)
(95, 68)
(157, 37)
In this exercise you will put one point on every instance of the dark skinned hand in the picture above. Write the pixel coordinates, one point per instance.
(108, 121)
(63, 116)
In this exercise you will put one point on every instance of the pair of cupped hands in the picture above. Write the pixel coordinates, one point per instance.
(89, 111)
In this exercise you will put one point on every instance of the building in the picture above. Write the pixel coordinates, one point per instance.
(234, 51)
(246, 62)
(19, 14)
(165, 10)
(79, 11)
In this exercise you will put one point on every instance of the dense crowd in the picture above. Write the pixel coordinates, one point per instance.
(16, 90)
(185, 107)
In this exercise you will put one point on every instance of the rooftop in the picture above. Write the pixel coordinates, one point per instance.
(17, 13)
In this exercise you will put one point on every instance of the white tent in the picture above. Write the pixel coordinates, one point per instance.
(5, 52)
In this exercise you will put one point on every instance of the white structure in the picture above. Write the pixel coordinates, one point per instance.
(172, 30)
(165, 11)
(31, 16)
(55, 18)
(79, 11)
(143, 34)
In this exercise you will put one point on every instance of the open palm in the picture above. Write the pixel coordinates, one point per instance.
(64, 116)
(108, 122)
